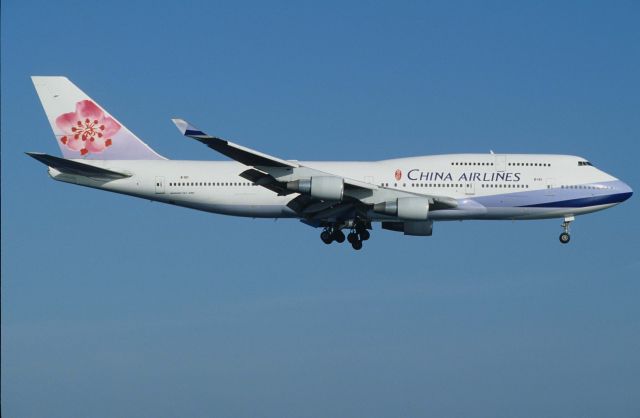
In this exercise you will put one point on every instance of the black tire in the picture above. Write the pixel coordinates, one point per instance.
(325, 236)
(357, 245)
(352, 237)
(565, 238)
(364, 235)
(339, 236)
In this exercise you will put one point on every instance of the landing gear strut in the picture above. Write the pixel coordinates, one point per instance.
(565, 237)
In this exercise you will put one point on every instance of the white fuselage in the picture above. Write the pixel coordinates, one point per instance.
(486, 186)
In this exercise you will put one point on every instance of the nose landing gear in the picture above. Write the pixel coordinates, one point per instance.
(565, 237)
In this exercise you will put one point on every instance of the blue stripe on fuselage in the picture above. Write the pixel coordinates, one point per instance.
(604, 193)
(583, 202)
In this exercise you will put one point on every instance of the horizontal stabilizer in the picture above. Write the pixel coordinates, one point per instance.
(76, 168)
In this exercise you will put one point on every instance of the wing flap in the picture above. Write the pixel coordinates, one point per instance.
(265, 180)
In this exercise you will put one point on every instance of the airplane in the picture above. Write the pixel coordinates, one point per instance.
(405, 195)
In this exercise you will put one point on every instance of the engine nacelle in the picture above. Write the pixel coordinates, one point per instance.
(411, 208)
(320, 187)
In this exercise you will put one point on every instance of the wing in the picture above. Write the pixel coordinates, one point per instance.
(251, 157)
(284, 177)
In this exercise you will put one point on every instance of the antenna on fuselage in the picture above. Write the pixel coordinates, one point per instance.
(491, 152)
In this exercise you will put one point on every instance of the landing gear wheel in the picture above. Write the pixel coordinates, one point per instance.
(352, 237)
(564, 237)
(338, 236)
(364, 235)
(326, 237)
(357, 244)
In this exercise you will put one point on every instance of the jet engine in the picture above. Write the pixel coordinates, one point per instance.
(410, 208)
(320, 187)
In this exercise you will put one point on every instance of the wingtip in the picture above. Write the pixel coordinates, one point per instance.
(181, 124)
(186, 128)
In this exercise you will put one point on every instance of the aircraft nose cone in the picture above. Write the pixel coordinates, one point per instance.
(625, 190)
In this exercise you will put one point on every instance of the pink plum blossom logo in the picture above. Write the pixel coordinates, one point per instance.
(398, 174)
(88, 129)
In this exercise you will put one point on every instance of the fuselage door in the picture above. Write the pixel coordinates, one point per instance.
(550, 184)
(159, 185)
(469, 188)
(501, 162)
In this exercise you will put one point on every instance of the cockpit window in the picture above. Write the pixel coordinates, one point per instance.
(581, 163)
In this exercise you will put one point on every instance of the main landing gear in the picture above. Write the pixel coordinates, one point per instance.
(332, 234)
(565, 237)
(356, 236)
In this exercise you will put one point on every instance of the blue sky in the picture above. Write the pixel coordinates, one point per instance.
(113, 306)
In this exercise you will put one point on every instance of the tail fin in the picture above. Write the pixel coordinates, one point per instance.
(83, 129)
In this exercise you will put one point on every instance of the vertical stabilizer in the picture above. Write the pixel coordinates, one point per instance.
(83, 128)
